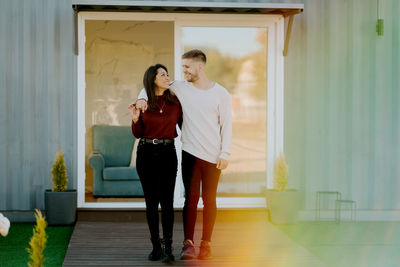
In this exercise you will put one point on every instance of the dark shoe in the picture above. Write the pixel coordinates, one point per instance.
(167, 255)
(156, 253)
(205, 251)
(188, 250)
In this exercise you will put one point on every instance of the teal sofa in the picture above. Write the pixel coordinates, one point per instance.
(110, 159)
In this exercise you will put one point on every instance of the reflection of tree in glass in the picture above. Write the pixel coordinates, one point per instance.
(221, 68)
(259, 89)
(225, 68)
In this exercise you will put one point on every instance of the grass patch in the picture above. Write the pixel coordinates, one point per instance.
(353, 244)
(13, 247)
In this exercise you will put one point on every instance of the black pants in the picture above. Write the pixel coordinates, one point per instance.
(194, 172)
(157, 168)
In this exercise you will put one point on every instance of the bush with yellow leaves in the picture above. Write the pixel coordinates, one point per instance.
(38, 241)
(280, 173)
(59, 171)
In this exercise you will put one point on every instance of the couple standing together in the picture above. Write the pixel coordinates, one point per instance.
(202, 109)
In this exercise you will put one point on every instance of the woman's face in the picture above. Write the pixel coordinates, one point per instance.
(162, 79)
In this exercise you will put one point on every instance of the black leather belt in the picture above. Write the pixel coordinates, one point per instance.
(157, 141)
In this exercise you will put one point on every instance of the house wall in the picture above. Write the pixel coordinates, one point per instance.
(342, 123)
(37, 99)
(342, 118)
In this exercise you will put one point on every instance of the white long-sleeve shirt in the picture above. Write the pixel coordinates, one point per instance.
(207, 120)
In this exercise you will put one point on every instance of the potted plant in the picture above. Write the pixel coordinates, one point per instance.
(283, 203)
(60, 203)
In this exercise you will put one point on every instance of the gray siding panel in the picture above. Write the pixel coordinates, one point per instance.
(395, 127)
(3, 110)
(38, 85)
(342, 102)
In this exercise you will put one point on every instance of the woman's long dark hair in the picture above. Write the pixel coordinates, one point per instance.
(148, 82)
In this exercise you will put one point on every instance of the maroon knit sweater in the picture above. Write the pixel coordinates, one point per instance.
(153, 124)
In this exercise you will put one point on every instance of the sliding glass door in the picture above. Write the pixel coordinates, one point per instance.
(237, 59)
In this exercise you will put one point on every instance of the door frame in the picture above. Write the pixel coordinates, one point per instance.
(275, 91)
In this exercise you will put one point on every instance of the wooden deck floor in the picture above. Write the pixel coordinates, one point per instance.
(239, 239)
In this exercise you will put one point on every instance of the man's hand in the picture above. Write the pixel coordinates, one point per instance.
(135, 112)
(222, 164)
(141, 104)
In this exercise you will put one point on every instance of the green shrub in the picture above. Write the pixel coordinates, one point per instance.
(59, 171)
(280, 173)
(38, 241)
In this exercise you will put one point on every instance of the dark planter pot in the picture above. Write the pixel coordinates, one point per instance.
(283, 206)
(60, 207)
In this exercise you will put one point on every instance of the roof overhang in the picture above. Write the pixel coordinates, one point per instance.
(284, 9)
(189, 7)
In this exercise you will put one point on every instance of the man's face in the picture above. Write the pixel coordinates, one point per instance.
(190, 69)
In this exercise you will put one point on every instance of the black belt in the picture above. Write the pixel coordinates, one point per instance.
(156, 141)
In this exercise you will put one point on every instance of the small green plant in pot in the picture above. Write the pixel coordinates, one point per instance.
(59, 172)
(281, 174)
(283, 203)
(60, 203)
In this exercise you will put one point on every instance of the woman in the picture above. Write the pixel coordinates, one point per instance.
(156, 160)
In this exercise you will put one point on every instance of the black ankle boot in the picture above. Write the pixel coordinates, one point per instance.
(156, 253)
(167, 255)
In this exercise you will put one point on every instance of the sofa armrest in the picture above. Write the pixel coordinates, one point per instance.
(96, 161)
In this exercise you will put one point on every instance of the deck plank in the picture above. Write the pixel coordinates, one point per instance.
(239, 239)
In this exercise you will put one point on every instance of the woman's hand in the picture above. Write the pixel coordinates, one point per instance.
(135, 112)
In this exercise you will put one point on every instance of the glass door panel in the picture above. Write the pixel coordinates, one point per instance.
(117, 55)
(237, 59)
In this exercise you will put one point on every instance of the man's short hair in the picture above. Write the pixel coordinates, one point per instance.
(195, 54)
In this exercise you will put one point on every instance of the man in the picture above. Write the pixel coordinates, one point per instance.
(206, 140)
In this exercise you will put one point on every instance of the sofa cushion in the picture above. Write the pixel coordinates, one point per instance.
(115, 143)
(120, 174)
